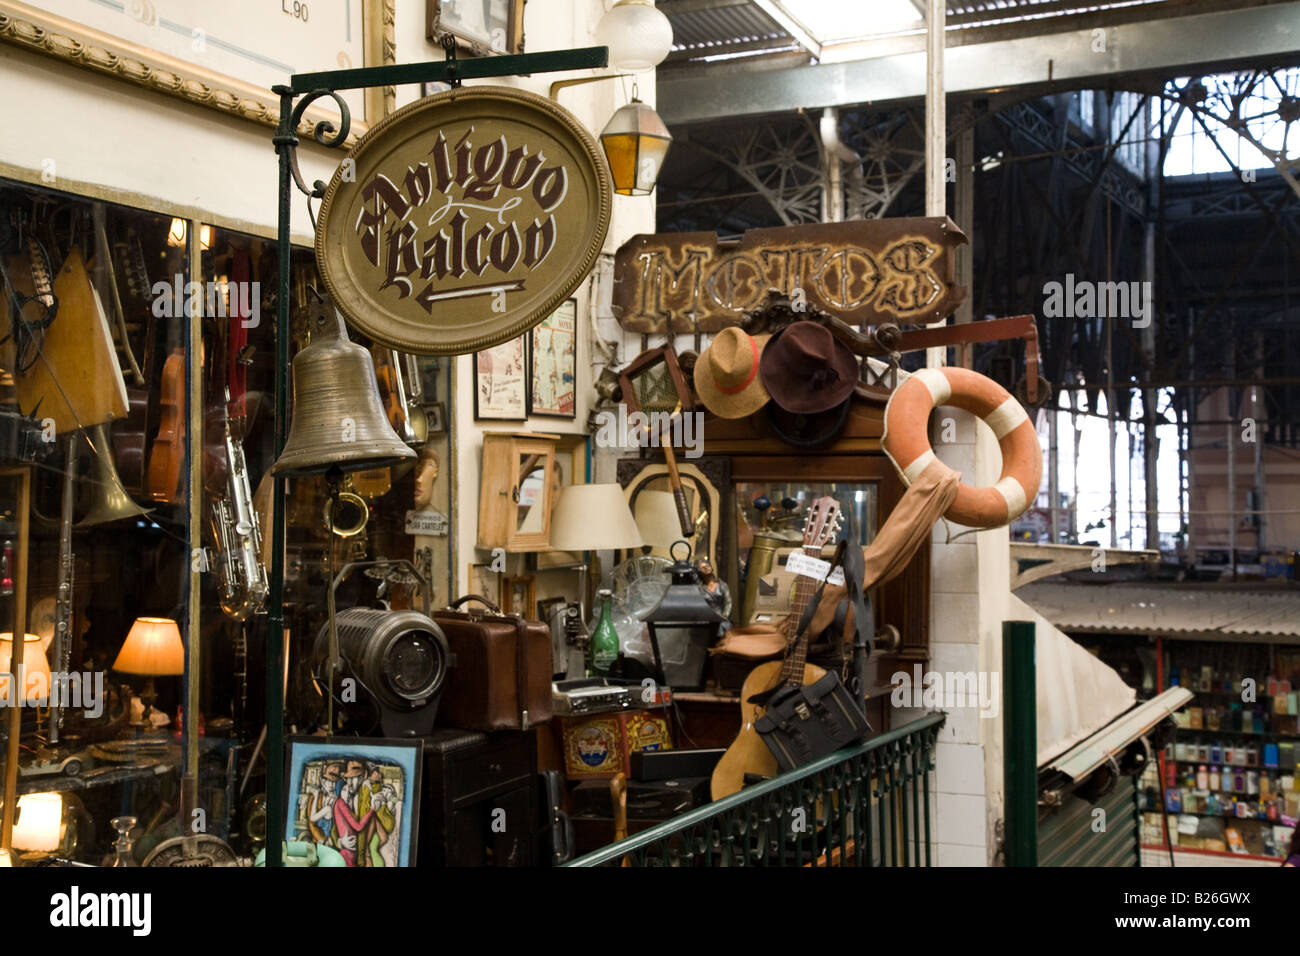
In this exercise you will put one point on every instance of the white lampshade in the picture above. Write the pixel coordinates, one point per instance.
(40, 822)
(656, 519)
(638, 35)
(35, 680)
(593, 518)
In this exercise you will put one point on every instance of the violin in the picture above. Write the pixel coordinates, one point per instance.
(167, 458)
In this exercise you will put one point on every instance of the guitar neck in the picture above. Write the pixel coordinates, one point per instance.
(804, 588)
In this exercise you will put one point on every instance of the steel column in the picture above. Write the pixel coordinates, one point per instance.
(1020, 742)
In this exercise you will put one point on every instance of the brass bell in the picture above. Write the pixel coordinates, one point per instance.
(338, 419)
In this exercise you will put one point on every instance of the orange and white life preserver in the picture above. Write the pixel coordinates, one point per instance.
(906, 443)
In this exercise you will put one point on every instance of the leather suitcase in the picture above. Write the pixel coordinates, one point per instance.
(502, 676)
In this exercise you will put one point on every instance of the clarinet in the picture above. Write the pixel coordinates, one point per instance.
(63, 605)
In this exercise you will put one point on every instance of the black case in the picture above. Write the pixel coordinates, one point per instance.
(803, 724)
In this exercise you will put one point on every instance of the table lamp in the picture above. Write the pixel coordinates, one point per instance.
(39, 827)
(36, 677)
(591, 518)
(152, 648)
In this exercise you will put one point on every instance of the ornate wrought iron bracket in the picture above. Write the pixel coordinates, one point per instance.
(313, 86)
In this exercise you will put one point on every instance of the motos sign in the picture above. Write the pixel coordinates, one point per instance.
(864, 272)
(463, 220)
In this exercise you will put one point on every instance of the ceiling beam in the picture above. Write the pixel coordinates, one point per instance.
(1201, 42)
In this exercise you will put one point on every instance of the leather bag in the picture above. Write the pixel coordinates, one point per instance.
(502, 674)
(805, 723)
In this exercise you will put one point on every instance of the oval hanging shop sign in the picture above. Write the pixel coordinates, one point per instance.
(463, 220)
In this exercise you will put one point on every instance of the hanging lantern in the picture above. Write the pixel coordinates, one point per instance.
(635, 142)
(682, 626)
(638, 35)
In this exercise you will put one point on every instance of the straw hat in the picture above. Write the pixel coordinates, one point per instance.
(726, 374)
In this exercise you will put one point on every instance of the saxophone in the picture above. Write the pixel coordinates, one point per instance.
(242, 584)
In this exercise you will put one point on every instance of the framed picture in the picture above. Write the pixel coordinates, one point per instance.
(482, 580)
(501, 381)
(479, 26)
(554, 357)
(357, 795)
(517, 595)
(435, 413)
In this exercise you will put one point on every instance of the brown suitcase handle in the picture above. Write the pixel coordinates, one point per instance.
(474, 597)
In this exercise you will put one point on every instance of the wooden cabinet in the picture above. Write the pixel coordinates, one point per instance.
(517, 491)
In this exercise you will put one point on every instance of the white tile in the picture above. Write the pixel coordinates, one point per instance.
(954, 568)
(952, 426)
(957, 657)
(962, 727)
(959, 457)
(961, 819)
(959, 768)
(949, 854)
(954, 619)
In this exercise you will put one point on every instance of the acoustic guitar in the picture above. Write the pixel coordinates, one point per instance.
(748, 755)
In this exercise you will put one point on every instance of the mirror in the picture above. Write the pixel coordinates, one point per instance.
(530, 509)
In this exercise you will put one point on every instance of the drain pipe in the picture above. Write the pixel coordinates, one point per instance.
(836, 152)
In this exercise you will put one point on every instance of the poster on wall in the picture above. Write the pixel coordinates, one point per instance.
(357, 795)
(501, 382)
(554, 357)
(253, 41)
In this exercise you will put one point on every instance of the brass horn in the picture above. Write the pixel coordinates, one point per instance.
(338, 419)
(352, 514)
(111, 502)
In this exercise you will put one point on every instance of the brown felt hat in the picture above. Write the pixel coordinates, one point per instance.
(726, 374)
(807, 370)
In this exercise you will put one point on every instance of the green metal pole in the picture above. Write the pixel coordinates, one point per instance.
(285, 140)
(1020, 742)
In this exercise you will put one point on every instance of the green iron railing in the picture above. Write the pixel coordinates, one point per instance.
(867, 805)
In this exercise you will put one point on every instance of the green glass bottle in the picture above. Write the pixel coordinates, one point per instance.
(604, 641)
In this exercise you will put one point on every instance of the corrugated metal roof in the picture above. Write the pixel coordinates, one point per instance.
(719, 29)
(1172, 610)
(712, 27)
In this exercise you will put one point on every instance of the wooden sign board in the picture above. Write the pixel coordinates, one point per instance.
(865, 272)
(463, 220)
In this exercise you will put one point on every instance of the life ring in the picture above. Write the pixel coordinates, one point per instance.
(906, 443)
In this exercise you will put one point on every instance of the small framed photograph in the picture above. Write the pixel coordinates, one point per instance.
(357, 795)
(501, 382)
(554, 360)
(435, 414)
(517, 595)
(479, 26)
(485, 582)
